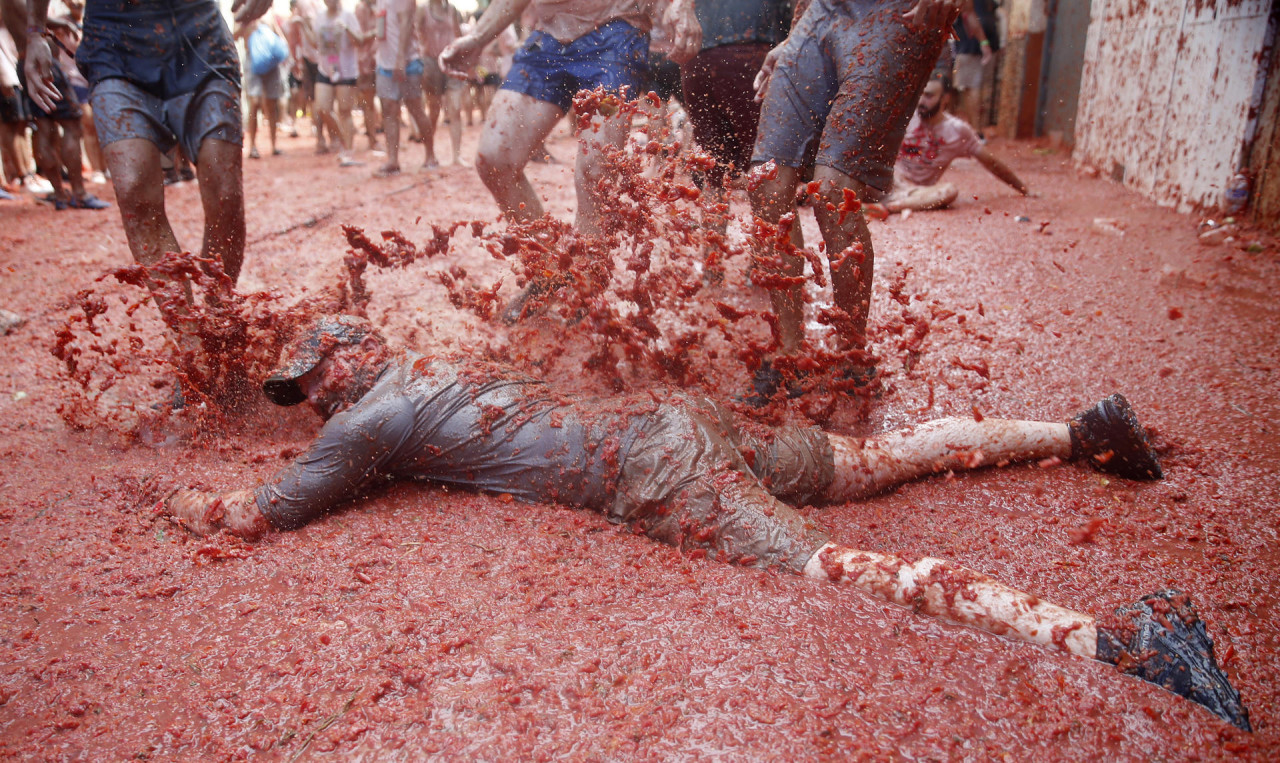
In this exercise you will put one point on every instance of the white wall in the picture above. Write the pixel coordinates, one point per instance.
(1166, 92)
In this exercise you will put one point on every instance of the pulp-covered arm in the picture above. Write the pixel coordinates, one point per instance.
(462, 55)
(352, 452)
(1001, 170)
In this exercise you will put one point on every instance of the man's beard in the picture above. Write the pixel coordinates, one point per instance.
(929, 113)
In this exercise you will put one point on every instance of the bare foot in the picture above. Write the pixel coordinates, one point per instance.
(387, 170)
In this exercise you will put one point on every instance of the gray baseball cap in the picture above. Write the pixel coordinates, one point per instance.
(306, 351)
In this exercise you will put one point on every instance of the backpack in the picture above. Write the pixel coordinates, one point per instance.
(266, 50)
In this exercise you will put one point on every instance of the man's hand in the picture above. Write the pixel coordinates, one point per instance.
(686, 32)
(205, 513)
(933, 14)
(766, 71)
(248, 10)
(39, 71)
(461, 56)
(987, 55)
(194, 510)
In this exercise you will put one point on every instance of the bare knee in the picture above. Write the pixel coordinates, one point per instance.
(496, 167)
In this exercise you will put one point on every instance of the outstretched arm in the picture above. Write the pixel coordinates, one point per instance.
(1001, 170)
(350, 454)
(462, 55)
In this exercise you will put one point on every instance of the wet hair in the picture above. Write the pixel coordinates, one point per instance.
(948, 87)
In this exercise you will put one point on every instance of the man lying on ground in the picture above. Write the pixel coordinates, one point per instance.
(681, 470)
(935, 138)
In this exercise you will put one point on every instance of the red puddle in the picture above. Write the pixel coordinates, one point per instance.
(432, 622)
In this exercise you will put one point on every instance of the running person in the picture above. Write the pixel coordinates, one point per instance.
(683, 472)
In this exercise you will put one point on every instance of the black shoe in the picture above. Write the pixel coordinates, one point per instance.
(1113, 441)
(1172, 649)
(765, 383)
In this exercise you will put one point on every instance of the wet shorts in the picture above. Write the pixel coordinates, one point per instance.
(846, 83)
(321, 79)
(695, 481)
(123, 110)
(13, 108)
(269, 85)
(65, 109)
(614, 56)
(411, 87)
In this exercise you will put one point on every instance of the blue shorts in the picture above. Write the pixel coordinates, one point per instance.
(124, 110)
(614, 56)
(390, 89)
(845, 87)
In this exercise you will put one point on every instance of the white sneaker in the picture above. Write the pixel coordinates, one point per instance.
(37, 185)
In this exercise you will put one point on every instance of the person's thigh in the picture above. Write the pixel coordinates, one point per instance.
(968, 72)
(345, 97)
(387, 88)
(516, 127)
(882, 65)
(273, 85)
(685, 483)
(123, 111)
(212, 111)
(324, 97)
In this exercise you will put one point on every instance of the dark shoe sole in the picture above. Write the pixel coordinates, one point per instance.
(1170, 647)
(1109, 436)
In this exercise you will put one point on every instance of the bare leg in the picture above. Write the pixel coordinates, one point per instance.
(957, 594)
(344, 101)
(222, 194)
(391, 131)
(90, 133)
(45, 142)
(324, 112)
(72, 154)
(14, 170)
(770, 201)
(139, 183)
(516, 126)
(419, 117)
(429, 135)
(850, 273)
(589, 172)
(369, 110)
(867, 466)
(251, 126)
(271, 106)
(453, 112)
(922, 198)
